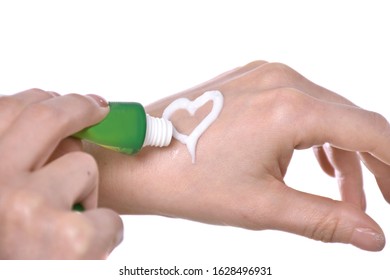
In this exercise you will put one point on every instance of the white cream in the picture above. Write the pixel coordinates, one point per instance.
(192, 106)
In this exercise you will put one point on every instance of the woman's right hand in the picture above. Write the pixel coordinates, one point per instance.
(43, 173)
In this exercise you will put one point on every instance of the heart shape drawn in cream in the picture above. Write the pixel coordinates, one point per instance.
(192, 106)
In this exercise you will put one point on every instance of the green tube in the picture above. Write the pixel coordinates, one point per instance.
(127, 128)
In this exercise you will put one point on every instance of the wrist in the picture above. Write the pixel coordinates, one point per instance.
(127, 183)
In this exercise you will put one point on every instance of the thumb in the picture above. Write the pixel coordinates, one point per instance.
(325, 219)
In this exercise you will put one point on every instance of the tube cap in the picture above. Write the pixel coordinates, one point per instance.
(158, 132)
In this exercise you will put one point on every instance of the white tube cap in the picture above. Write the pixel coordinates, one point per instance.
(158, 132)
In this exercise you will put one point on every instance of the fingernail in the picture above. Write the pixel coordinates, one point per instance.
(368, 239)
(99, 100)
(119, 237)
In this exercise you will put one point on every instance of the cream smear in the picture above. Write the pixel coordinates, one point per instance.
(192, 106)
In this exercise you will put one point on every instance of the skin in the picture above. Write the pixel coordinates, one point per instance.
(269, 111)
(43, 173)
(241, 160)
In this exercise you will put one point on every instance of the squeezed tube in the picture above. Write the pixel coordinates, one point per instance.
(127, 128)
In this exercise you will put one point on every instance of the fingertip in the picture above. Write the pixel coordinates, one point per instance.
(119, 236)
(328, 220)
(384, 185)
(109, 225)
(368, 239)
(119, 227)
(100, 101)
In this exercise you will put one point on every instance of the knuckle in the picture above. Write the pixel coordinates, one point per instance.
(84, 101)
(47, 112)
(286, 95)
(255, 64)
(76, 234)
(10, 103)
(36, 90)
(43, 94)
(78, 98)
(21, 205)
(249, 217)
(381, 122)
(325, 229)
(42, 112)
(276, 74)
(19, 210)
(286, 103)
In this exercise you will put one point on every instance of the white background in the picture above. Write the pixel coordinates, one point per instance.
(145, 50)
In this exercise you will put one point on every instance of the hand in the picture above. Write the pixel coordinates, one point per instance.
(43, 173)
(241, 160)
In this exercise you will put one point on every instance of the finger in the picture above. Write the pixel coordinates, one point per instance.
(323, 160)
(67, 145)
(291, 78)
(323, 219)
(108, 228)
(346, 127)
(381, 172)
(12, 105)
(348, 173)
(345, 166)
(35, 95)
(70, 179)
(41, 126)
